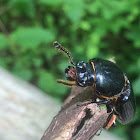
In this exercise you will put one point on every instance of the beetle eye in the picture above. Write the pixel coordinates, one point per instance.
(70, 73)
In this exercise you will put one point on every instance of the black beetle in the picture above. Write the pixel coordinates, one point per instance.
(109, 81)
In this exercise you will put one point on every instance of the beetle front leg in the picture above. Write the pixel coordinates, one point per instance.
(100, 103)
(104, 102)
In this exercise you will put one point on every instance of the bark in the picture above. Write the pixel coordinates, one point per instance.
(78, 118)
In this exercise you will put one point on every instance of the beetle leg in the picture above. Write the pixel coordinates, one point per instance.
(67, 83)
(111, 121)
(105, 102)
(112, 117)
(109, 108)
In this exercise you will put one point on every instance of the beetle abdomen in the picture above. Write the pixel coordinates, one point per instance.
(109, 77)
(127, 112)
(125, 106)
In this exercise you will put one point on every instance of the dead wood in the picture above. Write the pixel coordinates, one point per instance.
(77, 120)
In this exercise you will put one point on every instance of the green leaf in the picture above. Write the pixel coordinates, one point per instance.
(51, 2)
(92, 51)
(119, 24)
(31, 37)
(103, 106)
(136, 86)
(23, 72)
(63, 64)
(85, 25)
(3, 41)
(120, 132)
(47, 82)
(137, 133)
(3, 63)
(23, 6)
(37, 62)
(74, 10)
(50, 52)
(134, 35)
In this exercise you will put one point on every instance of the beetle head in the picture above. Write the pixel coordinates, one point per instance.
(77, 74)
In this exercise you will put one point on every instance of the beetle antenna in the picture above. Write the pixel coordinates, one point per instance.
(58, 46)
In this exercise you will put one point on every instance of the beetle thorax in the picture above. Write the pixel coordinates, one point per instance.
(84, 73)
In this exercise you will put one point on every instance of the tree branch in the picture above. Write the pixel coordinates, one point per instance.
(77, 119)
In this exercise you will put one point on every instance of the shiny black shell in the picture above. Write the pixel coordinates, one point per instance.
(125, 106)
(109, 77)
(109, 81)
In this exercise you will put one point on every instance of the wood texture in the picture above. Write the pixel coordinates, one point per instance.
(78, 119)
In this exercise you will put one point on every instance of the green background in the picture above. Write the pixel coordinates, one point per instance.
(90, 28)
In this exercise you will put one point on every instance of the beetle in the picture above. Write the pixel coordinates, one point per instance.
(110, 83)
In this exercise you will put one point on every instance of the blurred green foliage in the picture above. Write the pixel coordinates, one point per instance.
(99, 28)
